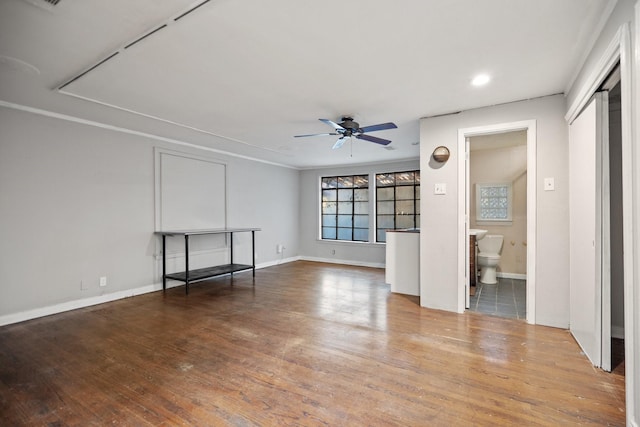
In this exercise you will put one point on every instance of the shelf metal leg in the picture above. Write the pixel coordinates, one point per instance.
(164, 262)
(186, 263)
(231, 245)
(253, 251)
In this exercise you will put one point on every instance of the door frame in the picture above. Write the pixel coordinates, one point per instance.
(463, 210)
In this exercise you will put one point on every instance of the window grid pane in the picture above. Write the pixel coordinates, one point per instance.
(361, 234)
(345, 233)
(361, 208)
(405, 178)
(385, 180)
(361, 194)
(345, 208)
(329, 233)
(329, 195)
(329, 220)
(405, 193)
(331, 182)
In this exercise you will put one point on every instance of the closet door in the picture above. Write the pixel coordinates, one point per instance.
(587, 134)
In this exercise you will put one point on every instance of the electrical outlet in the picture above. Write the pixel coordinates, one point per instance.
(103, 281)
(333, 251)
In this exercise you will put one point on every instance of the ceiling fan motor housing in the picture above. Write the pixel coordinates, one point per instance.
(349, 125)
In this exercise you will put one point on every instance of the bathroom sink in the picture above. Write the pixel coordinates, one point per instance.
(477, 232)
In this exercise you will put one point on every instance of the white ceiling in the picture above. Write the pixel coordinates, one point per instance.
(244, 76)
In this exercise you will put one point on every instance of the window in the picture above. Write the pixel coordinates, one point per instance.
(397, 202)
(493, 202)
(345, 208)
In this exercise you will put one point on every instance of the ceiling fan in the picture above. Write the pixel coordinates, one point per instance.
(348, 128)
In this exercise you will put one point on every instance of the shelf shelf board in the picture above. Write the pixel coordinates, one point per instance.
(206, 273)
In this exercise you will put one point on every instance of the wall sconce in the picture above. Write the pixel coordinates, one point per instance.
(441, 154)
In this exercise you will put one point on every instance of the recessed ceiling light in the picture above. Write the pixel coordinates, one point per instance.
(480, 80)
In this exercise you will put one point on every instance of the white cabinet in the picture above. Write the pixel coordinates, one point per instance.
(403, 261)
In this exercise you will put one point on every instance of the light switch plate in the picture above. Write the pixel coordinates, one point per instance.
(549, 184)
(440, 188)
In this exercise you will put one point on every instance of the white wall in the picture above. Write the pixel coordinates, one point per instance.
(77, 203)
(439, 222)
(311, 247)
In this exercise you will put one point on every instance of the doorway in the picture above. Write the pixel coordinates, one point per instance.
(466, 192)
(616, 240)
(497, 205)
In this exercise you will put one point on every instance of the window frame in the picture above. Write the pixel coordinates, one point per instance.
(415, 185)
(353, 201)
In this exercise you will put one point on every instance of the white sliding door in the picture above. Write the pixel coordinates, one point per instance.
(589, 300)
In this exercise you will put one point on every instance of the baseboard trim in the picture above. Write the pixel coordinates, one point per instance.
(517, 276)
(277, 262)
(343, 262)
(35, 313)
(22, 316)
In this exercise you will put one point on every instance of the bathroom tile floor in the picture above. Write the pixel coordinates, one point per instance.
(507, 298)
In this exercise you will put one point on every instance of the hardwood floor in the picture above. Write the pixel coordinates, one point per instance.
(310, 344)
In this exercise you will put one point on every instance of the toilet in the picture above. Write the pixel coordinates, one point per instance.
(489, 248)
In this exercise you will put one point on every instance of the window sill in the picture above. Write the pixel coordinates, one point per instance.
(349, 242)
(497, 223)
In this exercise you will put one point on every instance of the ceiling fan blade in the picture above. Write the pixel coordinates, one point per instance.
(381, 126)
(339, 142)
(315, 134)
(332, 124)
(374, 139)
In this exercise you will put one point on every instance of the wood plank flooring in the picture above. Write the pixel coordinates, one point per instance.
(309, 344)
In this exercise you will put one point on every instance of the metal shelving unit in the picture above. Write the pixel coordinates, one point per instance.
(190, 276)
